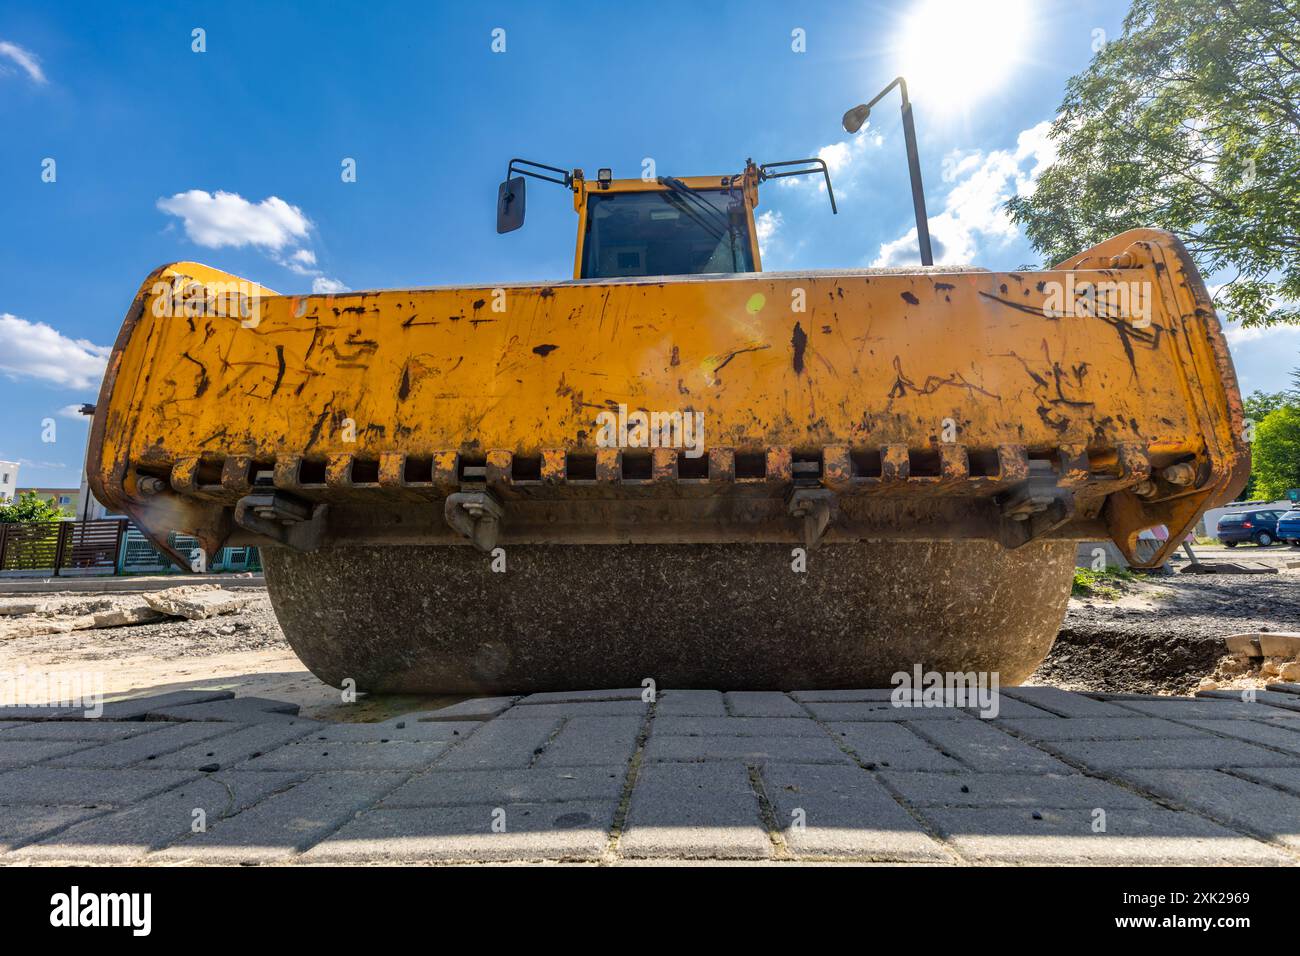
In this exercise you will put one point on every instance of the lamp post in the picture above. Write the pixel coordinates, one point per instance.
(853, 121)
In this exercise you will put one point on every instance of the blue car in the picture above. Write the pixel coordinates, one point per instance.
(1259, 527)
(1288, 528)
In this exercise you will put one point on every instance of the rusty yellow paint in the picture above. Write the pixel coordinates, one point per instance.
(877, 360)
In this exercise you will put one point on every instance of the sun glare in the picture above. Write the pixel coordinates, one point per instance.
(955, 52)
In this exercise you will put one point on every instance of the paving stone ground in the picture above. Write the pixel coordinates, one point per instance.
(609, 777)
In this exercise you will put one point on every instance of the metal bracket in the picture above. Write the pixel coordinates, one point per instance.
(476, 515)
(284, 519)
(814, 506)
(1034, 509)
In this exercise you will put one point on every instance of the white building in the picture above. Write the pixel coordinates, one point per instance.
(8, 480)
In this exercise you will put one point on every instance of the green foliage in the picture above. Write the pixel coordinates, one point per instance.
(1275, 453)
(1108, 585)
(1258, 404)
(30, 506)
(1189, 121)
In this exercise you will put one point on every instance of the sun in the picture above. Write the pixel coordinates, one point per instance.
(955, 52)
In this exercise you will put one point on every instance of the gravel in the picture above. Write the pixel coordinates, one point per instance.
(1167, 633)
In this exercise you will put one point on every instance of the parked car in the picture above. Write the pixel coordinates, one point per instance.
(1257, 526)
(1288, 528)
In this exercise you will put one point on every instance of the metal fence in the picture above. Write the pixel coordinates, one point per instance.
(105, 546)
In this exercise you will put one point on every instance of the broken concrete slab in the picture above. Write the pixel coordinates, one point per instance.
(198, 602)
(137, 708)
(49, 625)
(19, 608)
(123, 616)
(1280, 644)
(1244, 645)
(581, 696)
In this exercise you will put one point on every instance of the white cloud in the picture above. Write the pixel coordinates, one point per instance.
(29, 61)
(1283, 335)
(35, 350)
(323, 285)
(973, 210)
(228, 219)
(843, 162)
(73, 412)
(766, 225)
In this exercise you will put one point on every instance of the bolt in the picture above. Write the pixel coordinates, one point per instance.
(149, 485)
(1145, 488)
(1180, 474)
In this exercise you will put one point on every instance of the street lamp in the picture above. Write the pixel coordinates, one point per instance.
(853, 121)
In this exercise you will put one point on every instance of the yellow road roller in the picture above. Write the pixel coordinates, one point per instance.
(674, 466)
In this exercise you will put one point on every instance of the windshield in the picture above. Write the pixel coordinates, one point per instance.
(665, 233)
(1232, 519)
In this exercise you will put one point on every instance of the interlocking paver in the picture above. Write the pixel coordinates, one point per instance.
(497, 787)
(754, 703)
(229, 749)
(882, 710)
(592, 741)
(831, 811)
(983, 747)
(73, 786)
(581, 696)
(146, 747)
(22, 825)
(480, 708)
(842, 696)
(1284, 778)
(152, 824)
(136, 708)
(1036, 791)
(688, 726)
(551, 831)
(1241, 804)
(345, 755)
(1100, 728)
(288, 821)
(1186, 753)
(1265, 733)
(691, 703)
(596, 708)
(90, 730)
(1006, 707)
(446, 731)
(1149, 835)
(693, 811)
(1064, 703)
(502, 744)
(884, 745)
(1285, 702)
(24, 753)
(1180, 708)
(249, 710)
(752, 750)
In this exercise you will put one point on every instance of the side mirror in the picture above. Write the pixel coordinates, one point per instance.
(510, 205)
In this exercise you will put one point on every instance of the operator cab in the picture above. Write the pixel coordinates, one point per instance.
(701, 225)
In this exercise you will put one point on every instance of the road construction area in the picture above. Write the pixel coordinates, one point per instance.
(217, 746)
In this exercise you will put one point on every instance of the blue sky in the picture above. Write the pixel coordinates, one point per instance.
(145, 133)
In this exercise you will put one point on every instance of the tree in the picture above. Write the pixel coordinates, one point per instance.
(1189, 121)
(1258, 404)
(30, 507)
(1275, 453)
